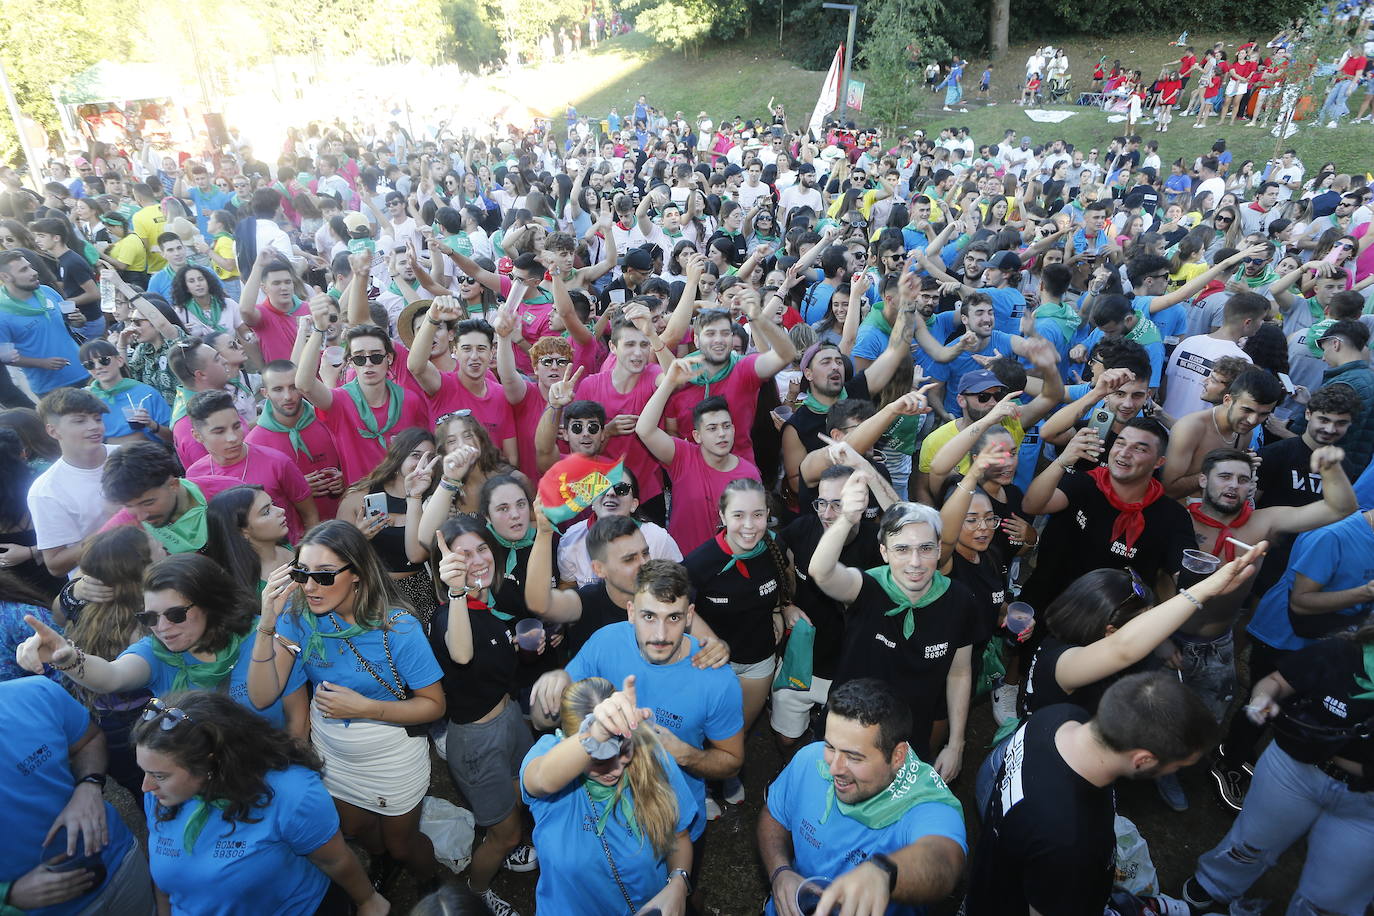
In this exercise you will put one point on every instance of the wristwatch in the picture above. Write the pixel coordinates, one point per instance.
(686, 878)
(95, 779)
(887, 865)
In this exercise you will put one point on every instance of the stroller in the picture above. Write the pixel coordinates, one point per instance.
(1058, 89)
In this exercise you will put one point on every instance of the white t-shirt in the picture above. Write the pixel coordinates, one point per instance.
(748, 195)
(67, 504)
(1188, 369)
(1216, 185)
(798, 196)
(574, 564)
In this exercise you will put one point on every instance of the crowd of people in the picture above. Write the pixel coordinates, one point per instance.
(572, 461)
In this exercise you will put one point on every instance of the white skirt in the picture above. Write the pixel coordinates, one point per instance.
(370, 765)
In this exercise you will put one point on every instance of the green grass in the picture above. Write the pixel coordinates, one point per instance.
(738, 79)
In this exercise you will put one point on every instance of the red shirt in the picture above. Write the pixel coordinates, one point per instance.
(1355, 65)
(321, 453)
(1169, 90)
(1187, 64)
(277, 331)
(696, 494)
(269, 469)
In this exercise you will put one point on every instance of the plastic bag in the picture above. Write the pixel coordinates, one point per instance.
(993, 670)
(795, 671)
(451, 830)
(1135, 871)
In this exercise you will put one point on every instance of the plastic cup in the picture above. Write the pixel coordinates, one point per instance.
(529, 633)
(130, 413)
(809, 894)
(335, 355)
(1197, 565)
(783, 412)
(1019, 616)
(8, 352)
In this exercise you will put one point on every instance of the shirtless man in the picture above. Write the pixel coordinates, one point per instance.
(1250, 400)
(1227, 482)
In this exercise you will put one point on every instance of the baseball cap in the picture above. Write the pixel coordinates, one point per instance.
(355, 221)
(1004, 260)
(978, 381)
(638, 259)
(806, 168)
(732, 170)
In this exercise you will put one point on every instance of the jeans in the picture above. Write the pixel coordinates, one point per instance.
(1334, 108)
(1288, 800)
(1209, 668)
(986, 782)
(898, 468)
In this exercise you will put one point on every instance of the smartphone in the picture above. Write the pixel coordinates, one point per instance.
(90, 862)
(1101, 423)
(1286, 382)
(375, 503)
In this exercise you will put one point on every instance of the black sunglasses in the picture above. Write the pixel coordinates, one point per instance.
(173, 615)
(621, 489)
(323, 577)
(553, 362)
(576, 427)
(362, 359)
(90, 364)
(985, 397)
(171, 716)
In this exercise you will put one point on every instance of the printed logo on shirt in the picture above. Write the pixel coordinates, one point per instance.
(1335, 707)
(1122, 550)
(230, 849)
(885, 641)
(714, 600)
(36, 759)
(1081, 519)
(168, 846)
(938, 650)
(1010, 787)
(1306, 483)
(668, 719)
(768, 587)
(808, 832)
(1194, 363)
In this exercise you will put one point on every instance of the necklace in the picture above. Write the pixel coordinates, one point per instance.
(1234, 439)
(243, 465)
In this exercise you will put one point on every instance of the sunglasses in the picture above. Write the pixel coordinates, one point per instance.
(1225, 219)
(90, 364)
(323, 577)
(171, 716)
(466, 281)
(621, 489)
(173, 614)
(577, 427)
(362, 359)
(452, 415)
(1138, 592)
(553, 362)
(987, 397)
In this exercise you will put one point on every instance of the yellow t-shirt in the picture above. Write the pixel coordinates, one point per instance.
(148, 224)
(130, 252)
(224, 247)
(1186, 273)
(936, 441)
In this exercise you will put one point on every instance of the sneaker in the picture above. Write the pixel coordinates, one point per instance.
(1332, 125)
(521, 859)
(440, 748)
(734, 791)
(1196, 896)
(1232, 781)
(713, 811)
(1171, 791)
(947, 108)
(965, 110)
(496, 905)
(1004, 704)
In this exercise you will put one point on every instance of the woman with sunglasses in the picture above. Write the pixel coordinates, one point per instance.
(376, 681)
(239, 821)
(605, 769)
(405, 477)
(1341, 250)
(201, 639)
(574, 563)
(137, 412)
(153, 329)
(1099, 629)
(761, 229)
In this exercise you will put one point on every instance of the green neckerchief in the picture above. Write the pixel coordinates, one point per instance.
(757, 549)
(613, 797)
(511, 548)
(1314, 309)
(877, 320)
(207, 676)
(198, 819)
(938, 586)
(1367, 681)
(1315, 333)
(109, 394)
(1061, 315)
(186, 534)
(916, 783)
(1264, 279)
(815, 406)
(768, 239)
(707, 379)
(395, 396)
(212, 320)
(396, 290)
(21, 307)
(1144, 332)
(179, 403)
(314, 643)
(268, 420)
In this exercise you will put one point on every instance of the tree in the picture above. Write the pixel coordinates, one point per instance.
(901, 35)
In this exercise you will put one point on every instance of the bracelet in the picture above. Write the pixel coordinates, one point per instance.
(779, 870)
(269, 632)
(1184, 593)
(971, 491)
(451, 487)
(319, 330)
(270, 657)
(433, 322)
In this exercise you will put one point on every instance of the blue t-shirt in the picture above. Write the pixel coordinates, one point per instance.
(43, 336)
(1027, 456)
(869, 343)
(575, 877)
(140, 395)
(1337, 556)
(695, 704)
(1081, 244)
(913, 239)
(206, 203)
(1172, 322)
(243, 868)
(40, 722)
(816, 303)
(1154, 350)
(796, 799)
(1008, 305)
(164, 675)
(13, 631)
(952, 371)
(410, 650)
(161, 283)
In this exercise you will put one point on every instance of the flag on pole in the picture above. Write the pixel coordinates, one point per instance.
(575, 482)
(830, 95)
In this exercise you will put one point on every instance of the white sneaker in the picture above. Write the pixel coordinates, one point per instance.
(734, 791)
(947, 108)
(1004, 704)
(440, 748)
(1332, 125)
(964, 110)
(498, 906)
(522, 858)
(713, 811)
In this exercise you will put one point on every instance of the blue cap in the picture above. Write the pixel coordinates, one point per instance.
(978, 381)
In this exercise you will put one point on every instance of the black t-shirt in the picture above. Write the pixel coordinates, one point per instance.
(473, 689)
(1285, 475)
(826, 614)
(74, 271)
(1048, 840)
(598, 610)
(737, 604)
(1042, 689)
(987, 580)
(740, 243)
(915, 668)
(1323, 678)
(1006, 550)
(809, 425)
(1078, 540)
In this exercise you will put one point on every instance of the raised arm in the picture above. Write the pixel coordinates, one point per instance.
(681, 319)
(1063, 419)
(513, 383)
(307, 370)
(1195, 285)
(563, 303)
(763, 322)
(252, 286)
(443, 308)
(553, 605)
(1338, 497)
(1043, 496)
(561, 394)
(48, 647)
(147, 311)
(658, 442)
(843, 583)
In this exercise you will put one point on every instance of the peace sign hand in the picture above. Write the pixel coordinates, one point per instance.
(561, 393)
(418, 480)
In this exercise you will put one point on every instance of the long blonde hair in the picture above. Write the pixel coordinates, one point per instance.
(117, 558)
(655, 804)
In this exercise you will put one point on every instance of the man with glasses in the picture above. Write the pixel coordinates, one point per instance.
(1149, 276)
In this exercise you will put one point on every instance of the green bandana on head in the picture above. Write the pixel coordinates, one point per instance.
(707, 379)
(268, 420)
(188, 533)
(916, 783)
(939, 584)
(198, 818)
(395, 397)
(206, 676)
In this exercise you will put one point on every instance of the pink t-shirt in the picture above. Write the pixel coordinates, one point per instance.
(276, 331)
(592, 356)
(322, 452)
(741, 391)
(360, 455)
(601, 389)
(271, 470)
(1364, 264)
(188, 447)
(492, 410)
(526, 416)
(210, 487)
(696, 494)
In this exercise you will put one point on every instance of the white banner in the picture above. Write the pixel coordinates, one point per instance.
(830, 95)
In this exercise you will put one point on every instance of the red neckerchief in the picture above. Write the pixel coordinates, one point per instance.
(477, 604)
(1222, 548)
(1130, 522)
(724, 545)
